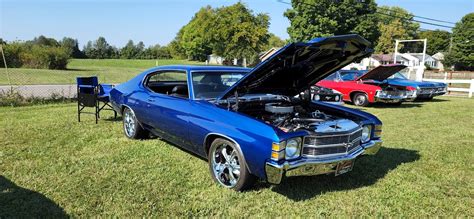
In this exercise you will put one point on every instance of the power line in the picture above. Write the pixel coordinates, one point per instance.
(426, 18)
(413, 20)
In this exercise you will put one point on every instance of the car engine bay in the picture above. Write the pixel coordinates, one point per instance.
(293, 114)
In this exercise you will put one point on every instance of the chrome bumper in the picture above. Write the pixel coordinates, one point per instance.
(315, 166)
(390, 99)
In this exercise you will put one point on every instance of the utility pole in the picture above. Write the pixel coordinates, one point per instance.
(395, 53)
(6, 68)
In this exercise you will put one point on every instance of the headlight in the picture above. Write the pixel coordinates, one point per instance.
(316, 97)
(292, 149)
(366, 130)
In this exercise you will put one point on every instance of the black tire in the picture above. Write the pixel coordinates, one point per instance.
(216, 159)
(131, 127)
(360, 99)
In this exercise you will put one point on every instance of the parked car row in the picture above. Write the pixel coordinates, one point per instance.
(383, 84)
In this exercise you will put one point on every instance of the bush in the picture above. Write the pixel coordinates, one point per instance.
(12, 55)
(14, 98)
(35, 56)
(45, 57)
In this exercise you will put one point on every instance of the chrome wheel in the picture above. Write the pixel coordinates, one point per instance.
(360, 100)
(129, 122)
(225, 165)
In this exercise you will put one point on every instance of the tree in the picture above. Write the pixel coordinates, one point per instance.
(238, 33)
(72, 47)
(195, 37)
(387, 15)
(99, 49)
(176, 50)
(461, 54)
(274, 42)
(437, 40)
(389, 32)
(129, 51)
(395, 23)
(45, 41)
(317, 18)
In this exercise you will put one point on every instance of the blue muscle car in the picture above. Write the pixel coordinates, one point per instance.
(391, 76)
(424, 90)
(254, 123)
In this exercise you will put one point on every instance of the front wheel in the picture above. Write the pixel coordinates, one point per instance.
(131, 127)
(360, 99)
(228, 167)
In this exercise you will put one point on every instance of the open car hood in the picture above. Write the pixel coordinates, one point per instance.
(297, 66)
(382, 72)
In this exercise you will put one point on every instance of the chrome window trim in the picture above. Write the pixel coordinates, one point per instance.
(147, 76)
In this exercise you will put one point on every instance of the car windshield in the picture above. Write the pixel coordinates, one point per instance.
(210, 85)
(350, 75)
(398, 75)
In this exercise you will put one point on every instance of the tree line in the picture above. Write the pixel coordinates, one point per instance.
(235, 31)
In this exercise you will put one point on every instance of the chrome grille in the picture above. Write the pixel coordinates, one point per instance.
(427, 90)
(395, 93)
(330, 145)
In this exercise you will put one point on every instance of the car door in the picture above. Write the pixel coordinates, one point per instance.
(167, 112)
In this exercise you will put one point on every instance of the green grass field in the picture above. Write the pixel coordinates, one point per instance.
(108, 71)
(51, 165)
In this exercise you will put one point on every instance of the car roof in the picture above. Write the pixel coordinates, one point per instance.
(199, 68)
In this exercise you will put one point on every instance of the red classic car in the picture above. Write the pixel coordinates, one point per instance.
(364, 88)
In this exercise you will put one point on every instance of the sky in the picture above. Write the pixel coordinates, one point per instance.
(158, 21)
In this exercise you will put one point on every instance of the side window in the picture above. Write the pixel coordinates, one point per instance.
(167, 76)
(348, 76)
(172, 83)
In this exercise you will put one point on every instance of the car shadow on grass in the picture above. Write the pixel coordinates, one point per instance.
(367, 171)
(401, 106)
(19, 202)
(430, 100)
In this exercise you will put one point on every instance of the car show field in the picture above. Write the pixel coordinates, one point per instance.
(52, 166)
(108, 70)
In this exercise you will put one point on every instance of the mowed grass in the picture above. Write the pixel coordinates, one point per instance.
(108, 71)
(51, 165)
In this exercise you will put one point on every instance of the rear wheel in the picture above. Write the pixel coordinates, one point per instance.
(131, 127)
(228, 167)
(360, 99)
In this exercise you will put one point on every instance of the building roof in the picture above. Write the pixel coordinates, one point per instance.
(383, 57)
(420, 57)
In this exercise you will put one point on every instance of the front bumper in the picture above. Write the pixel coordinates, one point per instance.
(391, 99)
(315, 166)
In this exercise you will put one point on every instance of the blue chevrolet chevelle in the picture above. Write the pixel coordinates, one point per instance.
(255, 123)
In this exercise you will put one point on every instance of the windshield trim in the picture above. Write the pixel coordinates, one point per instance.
(211, 70)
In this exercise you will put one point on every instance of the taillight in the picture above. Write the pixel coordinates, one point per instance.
(410, 88)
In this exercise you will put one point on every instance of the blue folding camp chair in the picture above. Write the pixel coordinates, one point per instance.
(90, 94)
